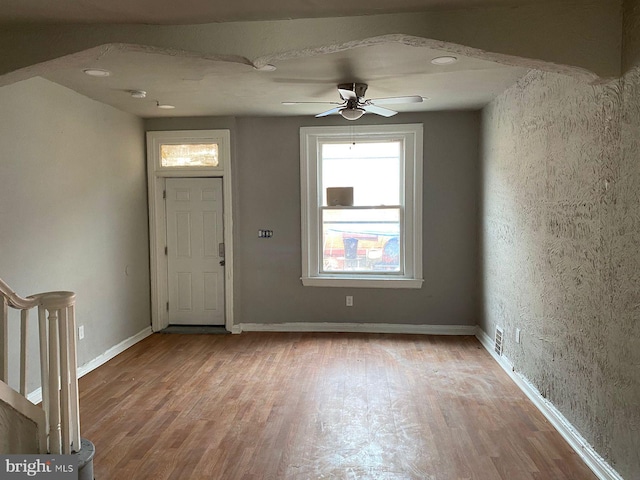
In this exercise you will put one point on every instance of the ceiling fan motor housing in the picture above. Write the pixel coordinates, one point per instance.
(351, 104)
(359, 89)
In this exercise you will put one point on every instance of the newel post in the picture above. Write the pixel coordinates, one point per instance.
(54, 384)
(62, 389)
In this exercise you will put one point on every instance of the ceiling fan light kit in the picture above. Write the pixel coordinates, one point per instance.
(354, 105)
(351, 113)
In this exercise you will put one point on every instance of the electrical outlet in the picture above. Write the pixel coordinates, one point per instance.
(81, 332)
(517, 335)
(349, 301)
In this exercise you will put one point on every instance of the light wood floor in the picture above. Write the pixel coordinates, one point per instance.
(261, 406)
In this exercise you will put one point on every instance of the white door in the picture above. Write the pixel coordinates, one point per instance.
(195, 251)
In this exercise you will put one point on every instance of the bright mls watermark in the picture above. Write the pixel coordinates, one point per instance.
(51, 467)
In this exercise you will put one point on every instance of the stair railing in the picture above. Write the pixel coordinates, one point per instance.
(58, 361)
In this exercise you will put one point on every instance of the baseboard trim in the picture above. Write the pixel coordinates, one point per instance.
(359, 328)
(594, 461)
(36, 395)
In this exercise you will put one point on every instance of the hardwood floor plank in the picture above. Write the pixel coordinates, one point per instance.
(261, 406)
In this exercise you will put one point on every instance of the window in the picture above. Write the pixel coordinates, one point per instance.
(362, 206)
(189, 155)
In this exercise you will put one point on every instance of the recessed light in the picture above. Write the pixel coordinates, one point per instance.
(96, 72)
(165, 106)
(444, 60)
(266, 68)
(138, 93)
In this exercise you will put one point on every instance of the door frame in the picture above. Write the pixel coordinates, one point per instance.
(156, 179)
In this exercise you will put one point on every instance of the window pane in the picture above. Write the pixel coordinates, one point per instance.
(363, 240)
(190, 155)
(371, 168)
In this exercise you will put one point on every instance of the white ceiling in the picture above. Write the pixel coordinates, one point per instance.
(200, 87)
(204, 86)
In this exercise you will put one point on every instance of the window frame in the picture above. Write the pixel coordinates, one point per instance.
(181, 137)
(311, 139)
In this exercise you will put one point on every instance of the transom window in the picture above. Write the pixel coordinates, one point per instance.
(189, 155)
(362, 206)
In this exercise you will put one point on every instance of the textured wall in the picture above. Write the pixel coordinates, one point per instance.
(73, 213)
(561, 249)
(630, 35)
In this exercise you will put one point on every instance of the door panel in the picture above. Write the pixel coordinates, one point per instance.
(185, 296)
(183, 234)
(194, 232)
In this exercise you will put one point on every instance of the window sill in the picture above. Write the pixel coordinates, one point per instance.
(362, 282)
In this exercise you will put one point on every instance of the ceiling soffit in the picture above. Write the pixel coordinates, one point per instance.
(213, 69)
(558, 37)
(186, 12)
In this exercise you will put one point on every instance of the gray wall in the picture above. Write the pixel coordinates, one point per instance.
(73, 212)
(561, 249)
(266, 168)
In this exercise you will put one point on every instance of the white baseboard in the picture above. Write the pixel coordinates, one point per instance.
(359, 328)
(594, 461)
(36, 395)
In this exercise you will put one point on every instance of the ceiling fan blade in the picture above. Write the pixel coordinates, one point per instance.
(310, 103)
(385, 112)
(396, 100)
(329, 112)
(347, 94)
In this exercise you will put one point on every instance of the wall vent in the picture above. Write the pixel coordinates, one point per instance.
(498, 341)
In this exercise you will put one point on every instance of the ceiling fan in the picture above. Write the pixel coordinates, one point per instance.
(354, 105)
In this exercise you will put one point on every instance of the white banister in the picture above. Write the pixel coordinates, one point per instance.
(73, 382)
(58, 361)
(24, 325)
(54, 384)
(4, 331)
(44, 360)
(63, 331)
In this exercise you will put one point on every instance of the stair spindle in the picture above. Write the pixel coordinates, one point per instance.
(24, 324)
